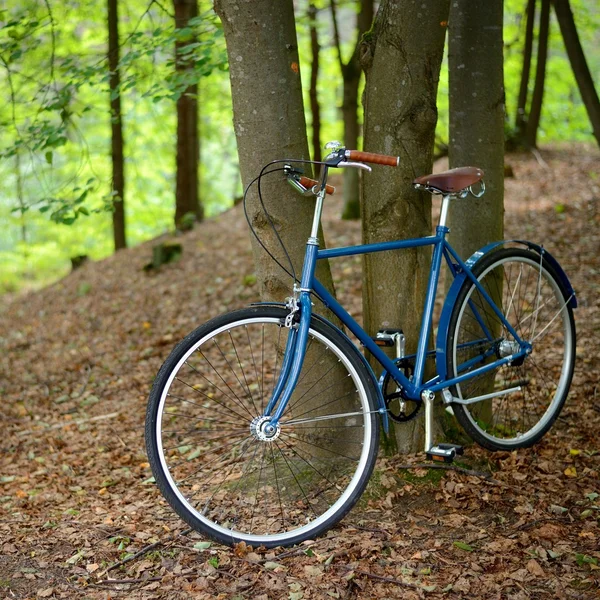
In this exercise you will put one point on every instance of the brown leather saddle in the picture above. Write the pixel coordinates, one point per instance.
(450, 182)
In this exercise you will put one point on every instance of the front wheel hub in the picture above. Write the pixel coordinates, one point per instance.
(262, 429)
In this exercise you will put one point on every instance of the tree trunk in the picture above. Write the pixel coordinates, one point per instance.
(521, 117)
(351, 77)
(535, 111)
(578, 63)
(118, 172)
(402, 62)
(477, 125)
(264, 71)
(187, 203)
(476, 119)
(351, 72)
(315, 108)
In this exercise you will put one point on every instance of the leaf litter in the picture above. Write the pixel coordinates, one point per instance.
(81, 518)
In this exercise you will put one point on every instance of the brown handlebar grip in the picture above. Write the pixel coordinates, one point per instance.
(371, 157)
(308, 183)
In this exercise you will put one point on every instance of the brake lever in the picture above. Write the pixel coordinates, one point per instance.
(356, 165)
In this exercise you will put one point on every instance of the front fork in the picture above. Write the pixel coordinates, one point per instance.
(293, 360)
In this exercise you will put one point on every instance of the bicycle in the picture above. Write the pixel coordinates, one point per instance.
(263, 424)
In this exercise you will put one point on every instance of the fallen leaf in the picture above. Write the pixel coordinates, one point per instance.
(533, 566)
(464, 546)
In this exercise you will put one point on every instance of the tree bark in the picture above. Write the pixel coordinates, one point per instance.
(537, 98)
(269, 123)
(578, 63)
(402, 60)
(117, 143)
(477, 125)
(187, 201)
(477, 119)
(315, 108)
(521, 117)
(351, 72)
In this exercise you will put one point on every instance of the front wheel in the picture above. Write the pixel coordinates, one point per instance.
(205, 431)
(523, 398)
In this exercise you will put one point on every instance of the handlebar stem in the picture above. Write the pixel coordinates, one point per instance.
(313, 240)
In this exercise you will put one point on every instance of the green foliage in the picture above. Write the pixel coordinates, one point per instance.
(564, 117)
(55, 125)
(55, 131)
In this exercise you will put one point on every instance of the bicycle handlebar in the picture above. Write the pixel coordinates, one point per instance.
(371, 157)
(308, 183)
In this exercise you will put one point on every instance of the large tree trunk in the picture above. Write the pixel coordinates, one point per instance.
(578, 63)
(118, 173)
(187, 203)
(477, 126)
(521, 117)
(402, 62)
(351, 72)
(477, 119)
(537, 98)
(269, 124)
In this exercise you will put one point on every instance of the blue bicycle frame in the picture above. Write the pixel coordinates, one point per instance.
(415, 387)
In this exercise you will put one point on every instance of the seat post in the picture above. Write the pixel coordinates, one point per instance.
(444, 211)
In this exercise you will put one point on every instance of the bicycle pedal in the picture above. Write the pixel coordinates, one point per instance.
(444, 452)
(387, 337)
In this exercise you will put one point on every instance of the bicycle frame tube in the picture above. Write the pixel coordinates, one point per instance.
(297, 341)
(412, 387)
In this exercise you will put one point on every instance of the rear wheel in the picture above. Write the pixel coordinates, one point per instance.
(525, 397)
(208, 444)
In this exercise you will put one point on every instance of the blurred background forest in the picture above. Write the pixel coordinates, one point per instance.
(56, 191)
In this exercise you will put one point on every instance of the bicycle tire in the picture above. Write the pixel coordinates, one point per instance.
(204, 444)
(534, 301)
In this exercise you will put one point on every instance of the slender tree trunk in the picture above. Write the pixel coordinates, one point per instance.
(315, 108)
(578, 63)
(351, 77)
(351, 72)
(118, 168)
(20, 198)
(264, 71)
(187, 202)
(477, 119)
(535, 111)
(402, 61)
(521, 117)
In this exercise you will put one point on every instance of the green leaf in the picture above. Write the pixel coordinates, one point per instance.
(195, 454)
(592, 496)
(202, 545)
(75, 558)
(48, 157)
(464, 546)
(584, 559)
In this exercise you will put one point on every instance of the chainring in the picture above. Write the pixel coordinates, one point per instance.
(400, 409)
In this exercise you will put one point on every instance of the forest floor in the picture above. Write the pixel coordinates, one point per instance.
(79, 517)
